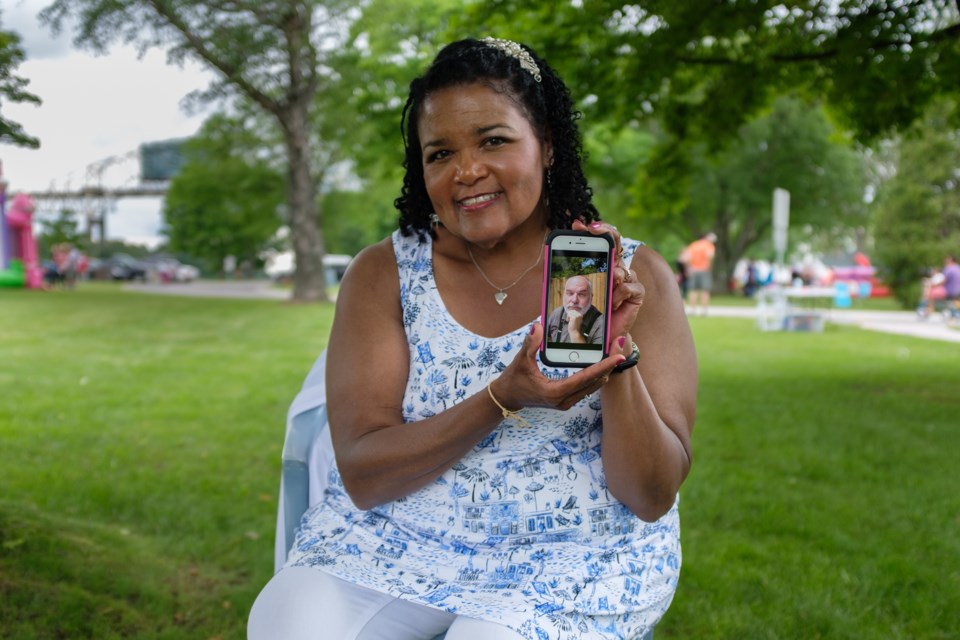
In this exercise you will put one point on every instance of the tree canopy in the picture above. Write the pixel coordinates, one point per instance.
(227, 197)
(707, 67)
(917, 220)
(13, 88)
(64, 228)
(794, 146)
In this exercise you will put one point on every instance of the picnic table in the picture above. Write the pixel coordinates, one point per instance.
(793, 308)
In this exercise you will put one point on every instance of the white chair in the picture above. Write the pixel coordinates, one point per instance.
(772, 309)
(306, 461)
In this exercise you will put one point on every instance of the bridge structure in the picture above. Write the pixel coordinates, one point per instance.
(142, 173)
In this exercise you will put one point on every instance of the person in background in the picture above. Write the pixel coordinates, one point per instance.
(477, 492)
(60, 254)
(931, 293)
(71, 266)
(698, 257)
(751, 279)
(230, 266)
(682, 279)
(951, 285)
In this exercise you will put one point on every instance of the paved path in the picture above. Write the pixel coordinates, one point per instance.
(904, 323)
(263, 289)
(898, 322)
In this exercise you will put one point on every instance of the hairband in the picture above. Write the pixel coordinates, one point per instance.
(517, 52)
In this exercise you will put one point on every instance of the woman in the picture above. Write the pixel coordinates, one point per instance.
(477, 492)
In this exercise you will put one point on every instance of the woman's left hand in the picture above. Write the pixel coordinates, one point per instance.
(628, 291)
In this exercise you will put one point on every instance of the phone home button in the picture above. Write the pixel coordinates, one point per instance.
(574, 356)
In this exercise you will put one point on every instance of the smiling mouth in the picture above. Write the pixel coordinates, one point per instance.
(478, 200)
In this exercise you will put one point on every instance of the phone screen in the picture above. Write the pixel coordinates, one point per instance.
(576, 298)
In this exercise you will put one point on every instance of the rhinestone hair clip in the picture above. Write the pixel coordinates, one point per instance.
(514, 50)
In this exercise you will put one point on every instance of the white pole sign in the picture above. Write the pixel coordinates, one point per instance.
(781, 221)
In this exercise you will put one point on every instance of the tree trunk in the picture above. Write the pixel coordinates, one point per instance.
(722, 269)
(309, 281)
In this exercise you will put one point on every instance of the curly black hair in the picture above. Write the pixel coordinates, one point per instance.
(546, 104)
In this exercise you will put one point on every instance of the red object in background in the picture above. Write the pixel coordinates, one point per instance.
(879, 290)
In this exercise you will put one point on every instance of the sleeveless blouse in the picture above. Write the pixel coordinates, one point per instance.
(521, 531)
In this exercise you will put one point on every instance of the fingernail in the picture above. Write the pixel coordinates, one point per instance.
(533, 328)
(621, 340)
(594, 225)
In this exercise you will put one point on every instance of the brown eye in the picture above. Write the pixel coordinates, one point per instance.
(437, 155)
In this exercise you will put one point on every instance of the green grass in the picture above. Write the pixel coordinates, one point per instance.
(141, 444)
(824, 500)
(141, 439)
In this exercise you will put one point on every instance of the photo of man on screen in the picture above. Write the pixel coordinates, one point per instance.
(577, 321)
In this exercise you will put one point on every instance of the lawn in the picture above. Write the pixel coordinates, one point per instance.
(141, 444)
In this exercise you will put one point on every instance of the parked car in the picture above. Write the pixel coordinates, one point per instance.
(334, 266)
(187, 273)
(119, 266)
(168, 269)
(280, 266)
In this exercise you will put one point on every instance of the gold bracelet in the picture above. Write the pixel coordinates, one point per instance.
(507, 414)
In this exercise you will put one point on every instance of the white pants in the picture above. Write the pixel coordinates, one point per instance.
(301, 603)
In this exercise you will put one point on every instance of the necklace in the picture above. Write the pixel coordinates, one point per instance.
(501, 293)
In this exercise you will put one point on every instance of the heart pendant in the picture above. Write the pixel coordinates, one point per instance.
(500, 296)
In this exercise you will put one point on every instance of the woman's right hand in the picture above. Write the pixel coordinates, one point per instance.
(522, 384)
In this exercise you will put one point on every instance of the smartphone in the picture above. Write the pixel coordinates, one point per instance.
(577, 288)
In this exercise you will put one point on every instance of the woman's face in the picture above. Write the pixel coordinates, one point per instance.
(483, 163)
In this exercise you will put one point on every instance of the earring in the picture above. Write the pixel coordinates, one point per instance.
(546, 195)
(434, 221)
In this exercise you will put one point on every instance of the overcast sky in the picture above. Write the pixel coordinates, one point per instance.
(94, 108)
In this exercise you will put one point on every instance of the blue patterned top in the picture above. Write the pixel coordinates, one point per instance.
(522, 530)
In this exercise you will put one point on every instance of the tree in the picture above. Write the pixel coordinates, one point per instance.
(227, 198)
(389, 44)
(917, 219)
(13, 88)
(793, 146)
(706, 67)
(270, 52)
(615, 153)
(360, 217)
(62, 229)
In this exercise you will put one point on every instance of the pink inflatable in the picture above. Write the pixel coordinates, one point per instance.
(19, 250)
